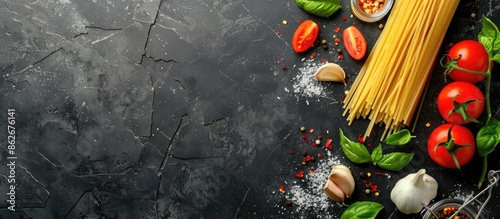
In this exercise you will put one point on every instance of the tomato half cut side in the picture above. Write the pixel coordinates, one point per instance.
(354, 42)
(304, 36)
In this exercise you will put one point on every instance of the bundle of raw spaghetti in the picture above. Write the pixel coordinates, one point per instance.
(391, 82)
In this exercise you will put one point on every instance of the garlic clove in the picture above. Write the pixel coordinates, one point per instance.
(330, 72)
(340, 183)
(333, 191)
(343, 180)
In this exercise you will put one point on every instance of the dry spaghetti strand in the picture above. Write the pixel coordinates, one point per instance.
(390, 84)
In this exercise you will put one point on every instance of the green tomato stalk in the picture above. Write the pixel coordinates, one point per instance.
(488, 114)
(489, 37)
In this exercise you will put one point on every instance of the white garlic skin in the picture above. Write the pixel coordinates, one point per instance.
(413, 192)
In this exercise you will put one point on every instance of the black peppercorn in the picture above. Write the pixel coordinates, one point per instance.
(362, 175)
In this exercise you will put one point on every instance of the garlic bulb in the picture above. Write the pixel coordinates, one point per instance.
(413, 192)
(340, 183)
(330, 72)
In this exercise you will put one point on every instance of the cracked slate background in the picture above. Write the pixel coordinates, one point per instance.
(176, 109)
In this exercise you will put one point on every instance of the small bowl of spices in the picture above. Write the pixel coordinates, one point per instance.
(371, 10)
(448, 207)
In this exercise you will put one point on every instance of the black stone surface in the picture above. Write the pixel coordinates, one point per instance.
(182, 109)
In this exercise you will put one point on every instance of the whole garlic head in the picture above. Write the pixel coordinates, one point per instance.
(413, 192)
(340, 183)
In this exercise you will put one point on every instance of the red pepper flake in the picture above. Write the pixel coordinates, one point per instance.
(299, 20)
(381, 173)
(374, 133)
(337, 29)
(311, 130)
(284, 68)
(373, 187)
(311, 170)
(305, 138)
(278, 32)
(292, 152)
(369, 145)
(361, 139)
(340, 57)
(344, 18)
(320, 137)
(308, 158)
(314, 144)
(323, 60)
(282, 189)
(320, 155)
(300, 174)
(314, 55)
(337, 40)
(342, 96)
(328, 144)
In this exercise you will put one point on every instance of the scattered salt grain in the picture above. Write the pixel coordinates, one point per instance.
(304, 82)
(308, 196)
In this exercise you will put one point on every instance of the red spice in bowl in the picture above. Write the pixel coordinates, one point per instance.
(371, 6)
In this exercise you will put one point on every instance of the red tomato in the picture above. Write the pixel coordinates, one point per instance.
(460, 102)
(354, 42)
(471, 55)
(463, 145)
(304, 36)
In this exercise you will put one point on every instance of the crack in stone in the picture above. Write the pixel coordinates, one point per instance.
(45, 158)
(195, 158)
(79, 199)
(214, 121)
(149, 32)
(39, 61)
(241, 204)
(158, 197)
(180, 83)
(9, 9)
(96, 27)
(158, 60)
(47, 191)
(182, 121)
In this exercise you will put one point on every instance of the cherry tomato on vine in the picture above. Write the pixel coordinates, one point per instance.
(354, 42)
(304, 36)
(451, 146)
(460, 102)
(471, 55)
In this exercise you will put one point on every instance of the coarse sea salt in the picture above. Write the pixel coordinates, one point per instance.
(308, 196)
(304, 82)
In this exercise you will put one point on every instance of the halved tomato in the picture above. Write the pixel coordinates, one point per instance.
(304, 36)
(354, 42)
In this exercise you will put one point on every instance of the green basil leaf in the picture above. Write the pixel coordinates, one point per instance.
(362, 210)
(395, 161)
(323, 8)
(488, 137)
(377, 154)
(354, 151)
(496, 58)
(399, 138)
(490, 37)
